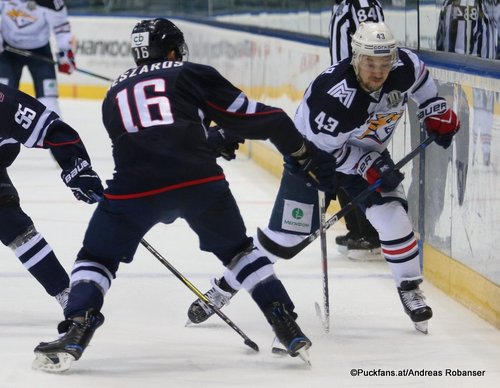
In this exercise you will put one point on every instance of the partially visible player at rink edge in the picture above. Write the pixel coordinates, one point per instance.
(28, 122)
(158, 115)
(27, 26)
(352, 110)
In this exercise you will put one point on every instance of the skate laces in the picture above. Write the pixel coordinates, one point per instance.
(414, 299)
(285, 320)
(217, 296)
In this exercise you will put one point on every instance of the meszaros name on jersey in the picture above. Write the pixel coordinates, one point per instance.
(145, 69)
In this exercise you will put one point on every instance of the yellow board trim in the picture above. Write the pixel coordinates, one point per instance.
(463, 284)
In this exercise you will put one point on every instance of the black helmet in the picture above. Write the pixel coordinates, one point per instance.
(153, 39)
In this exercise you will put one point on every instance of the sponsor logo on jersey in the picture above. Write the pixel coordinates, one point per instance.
(344, 93)
(297, 216)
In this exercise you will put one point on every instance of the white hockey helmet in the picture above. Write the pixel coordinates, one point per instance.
(374, 40)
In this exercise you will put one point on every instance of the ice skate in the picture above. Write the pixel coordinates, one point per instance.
(57, 356)
(414, 304)
(219, 295)
(343, 240)
(362, 249)
(288, 332)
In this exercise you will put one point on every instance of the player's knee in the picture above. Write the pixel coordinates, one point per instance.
(23, 238)
(390, 220)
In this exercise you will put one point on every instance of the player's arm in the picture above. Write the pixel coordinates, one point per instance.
(35, 126)
(240, 116)
(433, 110)
(57, 17)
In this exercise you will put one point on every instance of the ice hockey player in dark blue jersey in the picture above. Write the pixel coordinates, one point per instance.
(26, 121)
(351, 110)
(157, 116)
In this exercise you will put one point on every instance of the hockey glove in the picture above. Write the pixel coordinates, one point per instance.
(66, 61)
(375, 165)
(315, 166)
(441, 120)
(223, 143)
(83, 181)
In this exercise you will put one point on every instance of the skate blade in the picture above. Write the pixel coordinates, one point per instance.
(278, 348)
(365, 255)
(342, 249)
(422, 327)
(52, 363)
(304, 356)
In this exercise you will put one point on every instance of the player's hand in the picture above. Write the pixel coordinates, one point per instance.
(83, 181)
(66, 61)
(223, 143)
(315, 166)
(375, 165)
(441, 120)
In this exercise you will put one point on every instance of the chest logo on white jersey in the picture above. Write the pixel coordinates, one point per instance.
(344, 93)
(381, 126)
(21, 18)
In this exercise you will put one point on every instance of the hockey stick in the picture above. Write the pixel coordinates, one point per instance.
(289, 252)
(325, 320)
(26, 53)
(200, 295)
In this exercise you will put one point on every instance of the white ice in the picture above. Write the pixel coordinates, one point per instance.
(144, 342)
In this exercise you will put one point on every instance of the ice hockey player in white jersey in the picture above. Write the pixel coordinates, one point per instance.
(352, 110)
(27, 25)
(28, 122)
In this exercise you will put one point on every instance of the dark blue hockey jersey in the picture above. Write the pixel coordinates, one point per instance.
(157, 117)
(27, 121)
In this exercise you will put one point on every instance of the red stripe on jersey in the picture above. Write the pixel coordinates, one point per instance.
(165, 189)
(62, 144)
(401, 250)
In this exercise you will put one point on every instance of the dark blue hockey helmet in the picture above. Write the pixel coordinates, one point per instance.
(153, 39)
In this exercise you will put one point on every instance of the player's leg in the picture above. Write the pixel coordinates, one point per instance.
(44, 79)
(221, 230)
(400, 249)
(11, 68)
(18, 232)
(294, 216)
(111, 237)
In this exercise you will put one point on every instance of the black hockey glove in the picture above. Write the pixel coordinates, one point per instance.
(83, 181)
(315, 166)
(375, 165)
(223, 143)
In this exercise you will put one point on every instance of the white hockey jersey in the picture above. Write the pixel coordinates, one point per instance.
(27, 24)
(340, 117)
